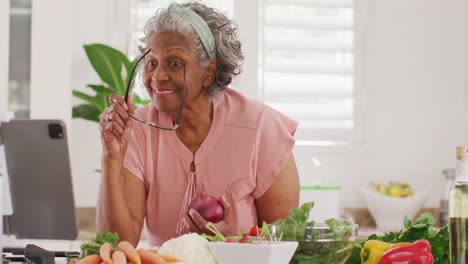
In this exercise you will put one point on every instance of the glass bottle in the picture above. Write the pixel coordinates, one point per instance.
(444, 208)
(458, 211)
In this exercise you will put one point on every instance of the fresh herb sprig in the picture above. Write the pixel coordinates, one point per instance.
(93, 245)
(217, 235)
(422, 228)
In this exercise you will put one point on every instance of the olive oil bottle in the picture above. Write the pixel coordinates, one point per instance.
(458, 211)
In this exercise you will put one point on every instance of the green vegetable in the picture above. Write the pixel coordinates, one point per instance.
(298, 219)
(92, 246)
(298, 216)
(265, 235)
(324, 248)
(342, 230)
(422, 228)
(314, 247)
(217, 235)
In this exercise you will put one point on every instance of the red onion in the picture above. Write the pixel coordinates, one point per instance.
(208, 207)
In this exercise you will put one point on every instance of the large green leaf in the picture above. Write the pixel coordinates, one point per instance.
(102, 96)
(100, 89)
(88, 98)
(108, 62)
(103, 101)
(114, 68)
(86, 111)
(100, 99)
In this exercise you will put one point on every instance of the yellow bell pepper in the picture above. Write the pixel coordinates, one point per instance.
(372, 251)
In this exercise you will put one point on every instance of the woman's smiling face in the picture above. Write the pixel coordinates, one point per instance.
(163, 72)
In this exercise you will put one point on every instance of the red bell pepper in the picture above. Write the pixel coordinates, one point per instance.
(418, 252)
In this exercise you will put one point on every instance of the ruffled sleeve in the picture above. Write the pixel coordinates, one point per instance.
(274, 144)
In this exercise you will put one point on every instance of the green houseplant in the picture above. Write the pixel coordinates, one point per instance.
(114, 68)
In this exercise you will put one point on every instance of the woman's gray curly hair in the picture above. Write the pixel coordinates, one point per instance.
(228, 48)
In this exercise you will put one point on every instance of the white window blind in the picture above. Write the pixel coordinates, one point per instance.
(308, 66)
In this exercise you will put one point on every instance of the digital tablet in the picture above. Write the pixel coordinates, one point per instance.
(38, 165)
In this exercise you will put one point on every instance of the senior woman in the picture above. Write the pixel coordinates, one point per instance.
(196, 137)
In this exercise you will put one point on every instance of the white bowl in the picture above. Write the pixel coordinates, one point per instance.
(389, 212)
(252, 253)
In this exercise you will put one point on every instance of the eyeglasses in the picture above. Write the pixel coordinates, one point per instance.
(127, 91)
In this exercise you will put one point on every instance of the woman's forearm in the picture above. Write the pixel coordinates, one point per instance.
(114, 213)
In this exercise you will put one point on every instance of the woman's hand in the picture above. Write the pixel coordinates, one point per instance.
(116, 126)
(196, 223)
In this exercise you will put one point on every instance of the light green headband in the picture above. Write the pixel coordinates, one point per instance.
(199, 25)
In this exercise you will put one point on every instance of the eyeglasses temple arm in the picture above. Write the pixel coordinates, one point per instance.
(177, 121)
(127, 91)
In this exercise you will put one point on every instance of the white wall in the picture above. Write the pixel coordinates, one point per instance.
(416, 100)
(93, 22)
(416, 71)
(49, 47)
(90, 25)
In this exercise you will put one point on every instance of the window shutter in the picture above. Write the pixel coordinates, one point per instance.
(308, 65)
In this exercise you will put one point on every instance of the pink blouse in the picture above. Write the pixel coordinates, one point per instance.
(247, 146)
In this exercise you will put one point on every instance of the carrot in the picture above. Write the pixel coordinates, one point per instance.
(91, 259)
(147, 257)
(105, 252)
(118, 257)
(129, 251)
(168, 258)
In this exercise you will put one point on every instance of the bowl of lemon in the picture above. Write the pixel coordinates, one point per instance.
(390, 203)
